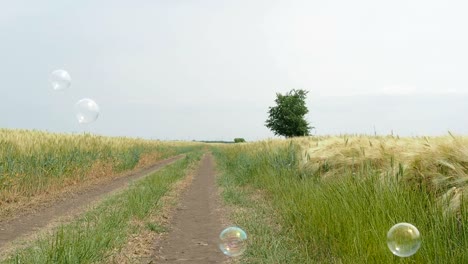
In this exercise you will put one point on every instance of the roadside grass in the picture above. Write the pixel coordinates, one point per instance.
(36, 163)
(93, 236)
(339, 210)
(267, 241)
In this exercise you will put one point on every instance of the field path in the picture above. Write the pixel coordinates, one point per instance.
(25, 225)
(196, 224)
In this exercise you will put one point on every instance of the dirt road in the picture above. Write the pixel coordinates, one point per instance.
(196, 224)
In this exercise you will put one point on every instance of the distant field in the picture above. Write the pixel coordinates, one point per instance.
(34, 163)
(333, 199)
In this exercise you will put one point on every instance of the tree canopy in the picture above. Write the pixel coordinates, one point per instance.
(287, 117)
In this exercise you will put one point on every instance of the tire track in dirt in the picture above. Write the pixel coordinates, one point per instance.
(25, 225)
(196, 224)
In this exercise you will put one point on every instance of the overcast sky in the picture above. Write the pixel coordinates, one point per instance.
(210, 69)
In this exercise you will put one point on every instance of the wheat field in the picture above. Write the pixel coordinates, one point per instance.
(36, 163)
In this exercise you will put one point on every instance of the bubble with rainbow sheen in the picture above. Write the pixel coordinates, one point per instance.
(86, 110)
(60, 80)
(233, 241)
(403, 239)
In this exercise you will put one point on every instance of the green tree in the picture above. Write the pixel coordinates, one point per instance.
(287, 117)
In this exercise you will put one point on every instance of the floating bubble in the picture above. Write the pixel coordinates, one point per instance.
(403, 239)
(232, 241)
(60, 79)
(87, 111)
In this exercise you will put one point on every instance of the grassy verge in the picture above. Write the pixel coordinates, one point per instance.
(340, 218)
(90, 238)
(268, 241)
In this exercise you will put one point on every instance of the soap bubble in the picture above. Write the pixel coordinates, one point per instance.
(60, 80)
(232, 241)
(86, 110)
(403, 239)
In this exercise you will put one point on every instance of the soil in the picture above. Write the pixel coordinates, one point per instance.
(196, 223)
(24, 226)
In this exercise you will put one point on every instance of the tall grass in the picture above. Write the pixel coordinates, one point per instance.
(439, 164)
(35, 162)
(338, 196)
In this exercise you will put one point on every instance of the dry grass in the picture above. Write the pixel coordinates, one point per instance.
(35, 163)
(440, 164)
